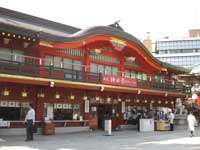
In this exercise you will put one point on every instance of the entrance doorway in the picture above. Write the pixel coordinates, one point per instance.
(104, 111)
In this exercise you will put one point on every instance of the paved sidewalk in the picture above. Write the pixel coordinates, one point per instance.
(122, 140)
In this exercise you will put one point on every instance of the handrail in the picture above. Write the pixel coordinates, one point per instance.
(37, 70)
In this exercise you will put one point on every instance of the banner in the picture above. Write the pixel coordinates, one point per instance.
(87, 106)
(116, 80)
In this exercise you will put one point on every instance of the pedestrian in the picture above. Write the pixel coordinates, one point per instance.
(191, 123)
(30, 121)
(171, 120)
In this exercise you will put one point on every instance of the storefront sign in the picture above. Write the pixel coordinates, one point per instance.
(11, 104)
(87, 106)
(58, 106)
(116, 80)
(65, 106)
(3, 103)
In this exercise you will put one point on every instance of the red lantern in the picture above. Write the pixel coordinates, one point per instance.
(198, 100)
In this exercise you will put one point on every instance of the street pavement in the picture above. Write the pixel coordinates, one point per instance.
(96, 140)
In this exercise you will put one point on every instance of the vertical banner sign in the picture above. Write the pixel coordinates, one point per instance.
(123, 107)
(87, 106)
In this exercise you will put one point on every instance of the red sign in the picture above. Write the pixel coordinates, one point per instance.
(116, 80)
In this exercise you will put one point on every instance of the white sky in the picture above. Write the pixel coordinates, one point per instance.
(161, 18)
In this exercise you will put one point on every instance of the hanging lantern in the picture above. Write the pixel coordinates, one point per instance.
(24, 93)
(57, 96)
(85, 98)
(97, 98)
(145, 101)
(166, 102)
(72, 97)
(137, 101)
(6, 92)
(152, 101)
(119, 99)
(108, 100)
(6, 41)
(159, 102)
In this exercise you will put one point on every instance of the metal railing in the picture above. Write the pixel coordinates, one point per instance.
(50, 72)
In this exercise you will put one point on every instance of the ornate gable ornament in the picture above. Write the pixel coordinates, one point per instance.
(117, 43)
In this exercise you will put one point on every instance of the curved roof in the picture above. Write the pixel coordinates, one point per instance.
(13, 19)
(80, 35)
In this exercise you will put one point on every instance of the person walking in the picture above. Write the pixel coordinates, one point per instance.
(171, 120)
(30, 121)
(191, 123)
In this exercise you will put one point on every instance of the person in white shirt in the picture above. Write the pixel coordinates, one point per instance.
(30, 121)
(171, 120)
(191, 123)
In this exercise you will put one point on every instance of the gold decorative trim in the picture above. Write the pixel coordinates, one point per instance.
(88, 84)
(45, 43)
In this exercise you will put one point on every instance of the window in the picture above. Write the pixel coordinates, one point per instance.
(108, 70)
(115, 71)
(144, 77)
(139, 76)
(77, 65)
(48, 60)
(5, 54)
(130, 74)
(12, 54)
(101, 69)
(57, 62)
(127, 74)
(98, 68)
(93, 68)
(65, 63)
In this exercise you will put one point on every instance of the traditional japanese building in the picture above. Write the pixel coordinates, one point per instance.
(74, 75)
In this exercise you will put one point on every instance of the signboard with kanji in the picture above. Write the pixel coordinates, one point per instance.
(116, 80)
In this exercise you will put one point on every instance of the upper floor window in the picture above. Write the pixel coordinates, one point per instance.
(130, 74)
(71, 51)
(159, 79)
(97, 56)
(66, 63)
(12, 54)
(104, 69)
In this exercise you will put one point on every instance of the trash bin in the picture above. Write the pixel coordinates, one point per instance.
(48, 127)
(108, 127)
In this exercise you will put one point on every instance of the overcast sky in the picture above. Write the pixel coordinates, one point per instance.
(161, 18)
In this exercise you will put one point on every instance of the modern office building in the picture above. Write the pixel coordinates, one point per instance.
(72, 75)
(179, 52)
